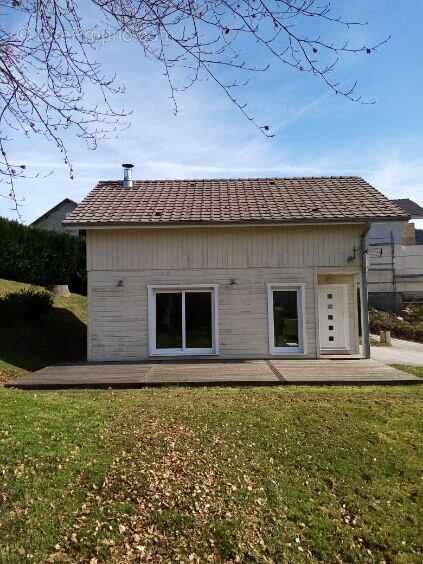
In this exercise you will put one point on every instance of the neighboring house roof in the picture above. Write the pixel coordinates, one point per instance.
(53, 209)
(228, 201)
(412, 208)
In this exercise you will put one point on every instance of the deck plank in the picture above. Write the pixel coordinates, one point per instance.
(341, 371)
(323, 371)
(254, 371)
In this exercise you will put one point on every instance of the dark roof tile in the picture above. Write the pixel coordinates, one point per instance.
(412, 208)
(253, 200)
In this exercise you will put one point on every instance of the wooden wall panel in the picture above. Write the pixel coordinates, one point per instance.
(137, 249)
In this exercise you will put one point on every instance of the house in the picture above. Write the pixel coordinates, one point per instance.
(52, 219)
(396, 260)
(415, 211)
(229, 268)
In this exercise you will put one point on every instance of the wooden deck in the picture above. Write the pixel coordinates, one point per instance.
(255, 372)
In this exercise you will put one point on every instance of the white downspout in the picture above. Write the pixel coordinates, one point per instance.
(365, 331)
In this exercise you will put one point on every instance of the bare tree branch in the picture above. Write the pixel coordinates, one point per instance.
(47, 62)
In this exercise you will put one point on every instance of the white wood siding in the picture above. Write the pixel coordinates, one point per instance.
(221, 248)
(118, 323)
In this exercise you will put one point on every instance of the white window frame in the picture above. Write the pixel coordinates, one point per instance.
(300, 289)
(182, 289)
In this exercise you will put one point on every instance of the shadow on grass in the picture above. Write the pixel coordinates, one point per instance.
(58, 337)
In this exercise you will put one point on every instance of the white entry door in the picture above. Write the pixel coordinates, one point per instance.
(333, 317)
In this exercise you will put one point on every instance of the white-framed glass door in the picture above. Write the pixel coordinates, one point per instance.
(286, 318)
(182, 320)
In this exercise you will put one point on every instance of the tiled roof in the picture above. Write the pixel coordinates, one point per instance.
(412, 208)
(249, 200)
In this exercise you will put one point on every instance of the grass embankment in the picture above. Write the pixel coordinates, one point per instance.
(212, 475)
(412, 369)
(407, 324)
(59, 337)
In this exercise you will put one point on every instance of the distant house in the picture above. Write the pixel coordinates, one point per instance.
(228, 268)
(53, 218)
(396, 259)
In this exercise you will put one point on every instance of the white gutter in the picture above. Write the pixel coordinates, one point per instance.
(109, 226)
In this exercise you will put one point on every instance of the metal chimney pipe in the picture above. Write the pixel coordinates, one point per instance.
(127, 175)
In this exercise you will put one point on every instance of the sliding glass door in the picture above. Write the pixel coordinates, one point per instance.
(168, 320)
(183, 321)
(198, 320)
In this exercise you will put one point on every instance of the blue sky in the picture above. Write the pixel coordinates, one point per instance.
(317, 132)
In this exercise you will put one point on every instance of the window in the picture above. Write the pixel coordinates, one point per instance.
(285, 309)
(198, 320)
(182, 320)
(285, 318)
(168, 320)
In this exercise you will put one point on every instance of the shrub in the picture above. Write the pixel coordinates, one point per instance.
(26, 305)
(41, 257)
(408, 325)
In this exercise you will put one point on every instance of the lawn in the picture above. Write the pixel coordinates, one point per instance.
(59, 337)
(279, 474)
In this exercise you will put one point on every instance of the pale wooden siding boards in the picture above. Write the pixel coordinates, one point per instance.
(118, 322)
(116, 326)
(134, 249)
(254, 257)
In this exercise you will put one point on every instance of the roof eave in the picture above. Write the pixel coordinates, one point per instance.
(246, 223)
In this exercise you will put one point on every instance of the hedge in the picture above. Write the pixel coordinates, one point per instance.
(37, 256)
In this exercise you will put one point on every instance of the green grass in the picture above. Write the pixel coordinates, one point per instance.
(212, 475)
(59, 337)
(206, 474)
(52, 451)
(416, 370)
(376, 343)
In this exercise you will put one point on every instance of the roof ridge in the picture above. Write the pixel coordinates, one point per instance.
(231, 179)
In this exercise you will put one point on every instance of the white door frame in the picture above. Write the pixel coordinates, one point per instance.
(183, 351)
(346, 316)
(302, 337)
